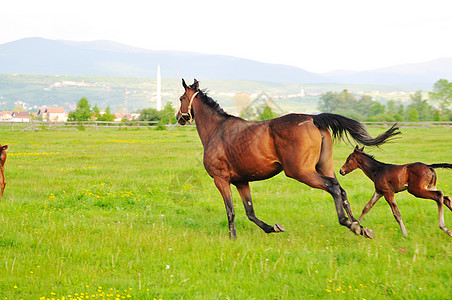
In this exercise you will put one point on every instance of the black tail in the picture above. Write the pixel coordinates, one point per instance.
(436, 166)
(340, 126)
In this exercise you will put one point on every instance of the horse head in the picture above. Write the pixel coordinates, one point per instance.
(185, 113)
(351, 163)
(3, 152)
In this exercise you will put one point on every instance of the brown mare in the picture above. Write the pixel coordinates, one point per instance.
(418, 178)
(2, 168)
(237, 151)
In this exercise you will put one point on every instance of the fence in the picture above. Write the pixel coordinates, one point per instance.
(40, 125)
(429, 124)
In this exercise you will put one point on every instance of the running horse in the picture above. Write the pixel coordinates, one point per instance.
(2, 168)
(418, 178)
(237, 151)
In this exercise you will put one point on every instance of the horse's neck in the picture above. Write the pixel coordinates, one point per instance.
(207, 120)
(370, 166)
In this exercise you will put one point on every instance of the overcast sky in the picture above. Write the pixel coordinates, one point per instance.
(316, 35)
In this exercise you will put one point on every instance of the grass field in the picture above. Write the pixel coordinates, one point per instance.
(133, 214)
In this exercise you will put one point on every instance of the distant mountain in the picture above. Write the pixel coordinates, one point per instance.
(105, 58)
(420, 75)
(43, 56)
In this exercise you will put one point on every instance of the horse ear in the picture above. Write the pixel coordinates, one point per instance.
(362, 149)
(184, 84)
(356, 148)
(4, 148)
(195, 85)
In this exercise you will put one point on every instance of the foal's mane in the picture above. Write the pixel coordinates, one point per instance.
(371, 157)
(212, 103)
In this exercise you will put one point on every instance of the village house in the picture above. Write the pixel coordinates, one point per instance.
(6, 115)
(20, 116)
(53, 114)
(120, 116)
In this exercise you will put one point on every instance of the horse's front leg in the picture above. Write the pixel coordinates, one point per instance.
(2, 181)
(245, 194)
(225, 189)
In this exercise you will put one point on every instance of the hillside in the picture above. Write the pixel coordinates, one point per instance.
(105, 58)
(134, 93)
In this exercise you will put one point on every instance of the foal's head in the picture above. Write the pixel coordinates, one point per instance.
(351, 163)
(185, 113)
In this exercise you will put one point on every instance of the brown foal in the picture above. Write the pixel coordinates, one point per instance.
(417, 178)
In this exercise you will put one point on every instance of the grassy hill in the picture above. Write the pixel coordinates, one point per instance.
(135, 93)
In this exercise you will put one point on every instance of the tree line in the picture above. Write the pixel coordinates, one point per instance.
(364, 108)
(436, 108)
(84, 112)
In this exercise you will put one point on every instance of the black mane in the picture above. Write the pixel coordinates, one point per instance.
(372, 157)
(212, 103)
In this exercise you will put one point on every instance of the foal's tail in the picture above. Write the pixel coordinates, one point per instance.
(340, 126)
(436, 166)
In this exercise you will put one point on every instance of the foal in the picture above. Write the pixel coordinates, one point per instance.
(418, 178)
(2, 168)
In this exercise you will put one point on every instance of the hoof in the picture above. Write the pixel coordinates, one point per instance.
(368, 233)
(279, 228)
(356, 228)
(449, 232)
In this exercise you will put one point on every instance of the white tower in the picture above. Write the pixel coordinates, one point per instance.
(159, 89)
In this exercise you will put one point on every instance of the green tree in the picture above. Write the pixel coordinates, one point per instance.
(149, 114)
(413, 115)
(442, 92)
(363, 105)
(266, 114)
(168, 114)
(343, 102)
(328, 103)
(424, 110)
(19, 108)
(107, 116)
(82, 112)
(96, 112)
(376, 108)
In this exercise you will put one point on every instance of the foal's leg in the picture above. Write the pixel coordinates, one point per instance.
(369, 205)
(225, 189)
(438, 196)
(395, 211)
(245, 194)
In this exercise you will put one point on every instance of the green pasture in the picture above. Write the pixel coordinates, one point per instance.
(119, 214)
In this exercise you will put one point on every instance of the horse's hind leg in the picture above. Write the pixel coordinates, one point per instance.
(438, 196)
(325, 167)
(448, 202)
(331, 185)
(245, 194)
